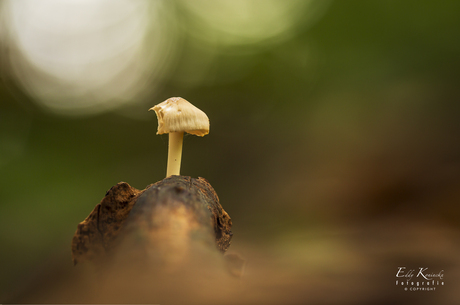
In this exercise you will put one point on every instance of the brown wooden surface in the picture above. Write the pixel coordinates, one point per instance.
(161, 245)
(165, 220)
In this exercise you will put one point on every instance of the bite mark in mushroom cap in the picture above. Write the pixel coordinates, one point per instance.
(178, 115)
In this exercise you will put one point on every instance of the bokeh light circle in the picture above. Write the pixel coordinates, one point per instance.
(86, 57)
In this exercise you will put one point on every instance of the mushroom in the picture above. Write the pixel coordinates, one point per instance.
(176, 116)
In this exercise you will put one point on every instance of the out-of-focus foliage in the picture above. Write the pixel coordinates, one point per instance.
(333, 144)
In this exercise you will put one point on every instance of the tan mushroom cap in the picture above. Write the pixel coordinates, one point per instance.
(178, 115)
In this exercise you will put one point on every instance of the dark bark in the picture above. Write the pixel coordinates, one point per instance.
(166, 218)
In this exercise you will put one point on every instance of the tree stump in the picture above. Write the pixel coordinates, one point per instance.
(161, 245)
(162, 225)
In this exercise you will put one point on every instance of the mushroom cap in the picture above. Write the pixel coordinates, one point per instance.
(178, 115)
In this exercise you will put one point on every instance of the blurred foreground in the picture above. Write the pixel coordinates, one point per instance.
(346, 267)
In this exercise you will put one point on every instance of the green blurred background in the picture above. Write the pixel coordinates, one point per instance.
(334, 142)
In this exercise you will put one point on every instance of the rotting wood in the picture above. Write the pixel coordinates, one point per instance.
(166, 216)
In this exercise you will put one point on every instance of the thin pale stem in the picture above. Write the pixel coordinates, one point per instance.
(174, 153)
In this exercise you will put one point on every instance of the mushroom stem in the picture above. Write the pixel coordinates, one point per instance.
(174, 153)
